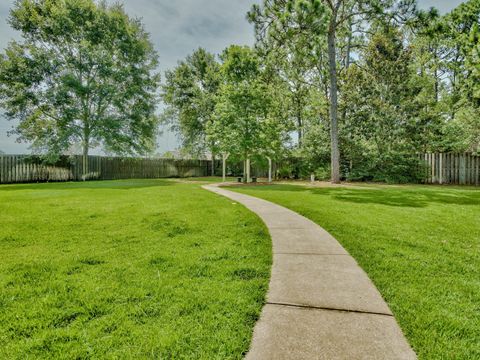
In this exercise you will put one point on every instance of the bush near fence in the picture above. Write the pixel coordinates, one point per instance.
(430, 168)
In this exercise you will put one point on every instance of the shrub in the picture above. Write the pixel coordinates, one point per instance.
(285, 171)
(392, 167)
(323, 172)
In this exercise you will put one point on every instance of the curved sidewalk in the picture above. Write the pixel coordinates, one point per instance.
(320, 303)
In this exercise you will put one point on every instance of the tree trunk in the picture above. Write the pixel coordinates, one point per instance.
(332, 60)
(437, 80)
(248, 170)
(245, 170)
(349, 46)
(85, 160)
(86, 147)
(213, 164)
(224, 167)
(269, 170)
(299, 130)
(347, 149)
(299, 121)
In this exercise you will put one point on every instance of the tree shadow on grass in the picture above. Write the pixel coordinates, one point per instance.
(92, 185)
(415, 197)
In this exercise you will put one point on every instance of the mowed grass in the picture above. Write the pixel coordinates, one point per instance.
(128, 270)
(419, 244)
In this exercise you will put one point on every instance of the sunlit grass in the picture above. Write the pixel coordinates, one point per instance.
(129, 270)
(419, 244)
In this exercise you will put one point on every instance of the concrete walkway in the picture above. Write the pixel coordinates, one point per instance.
(320, 304)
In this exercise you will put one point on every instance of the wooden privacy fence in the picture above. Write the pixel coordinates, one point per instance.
(446, 168)
(27, 168)
(451, 168)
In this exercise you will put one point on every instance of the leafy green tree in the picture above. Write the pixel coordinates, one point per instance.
(441, 49)
(466, 125)
(473, 64)
(190, 92)
(296, 83)
(451, 53)
(84, 72)
(454, 31)
(243, 125)
(386, 125)
(318, 27)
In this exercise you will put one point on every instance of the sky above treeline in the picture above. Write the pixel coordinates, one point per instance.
(177, 28)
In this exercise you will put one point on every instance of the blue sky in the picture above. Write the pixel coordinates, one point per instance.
(177, 28)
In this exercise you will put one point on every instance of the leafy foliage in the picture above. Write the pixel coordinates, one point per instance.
(385, 127)
(243, 124)
(84, 73)
(379, 80)
(190, 94)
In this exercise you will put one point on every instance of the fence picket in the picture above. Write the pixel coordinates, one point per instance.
(452, 168)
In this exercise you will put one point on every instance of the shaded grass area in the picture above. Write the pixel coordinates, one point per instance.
(128, 269)
(419, 244)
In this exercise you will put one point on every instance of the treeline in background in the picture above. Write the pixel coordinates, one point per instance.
(406, 82)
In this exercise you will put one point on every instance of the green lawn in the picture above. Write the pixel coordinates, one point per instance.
(419, 244)
(128, 270)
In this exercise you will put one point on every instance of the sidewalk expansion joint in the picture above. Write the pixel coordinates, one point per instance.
(288, 228)
(328, 308)
(313, 254)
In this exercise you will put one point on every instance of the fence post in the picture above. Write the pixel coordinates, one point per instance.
(477, 165)
(1, 169)
(462, 169)
(440, 165)
(433, 168)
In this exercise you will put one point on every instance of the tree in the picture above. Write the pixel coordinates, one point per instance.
(317, 25)
(448, 53)
(297, 28)
(473, 64)
(84, 72)
(242, 123)
(295, 83)
(190, 93)
(387, 126)
(451, 33)
(467, 121)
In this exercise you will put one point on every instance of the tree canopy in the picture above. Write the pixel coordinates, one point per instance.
(84, 72)
(189, 93)
(242, 108)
